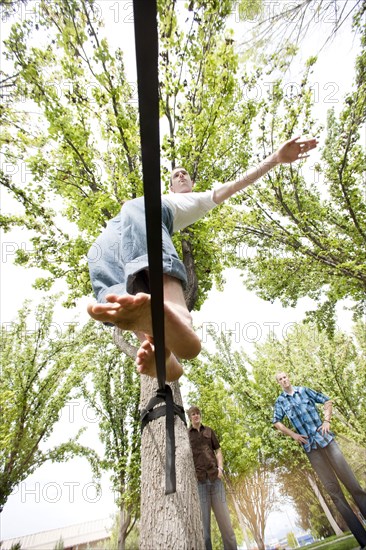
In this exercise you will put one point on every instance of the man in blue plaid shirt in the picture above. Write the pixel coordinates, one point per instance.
(298, 404)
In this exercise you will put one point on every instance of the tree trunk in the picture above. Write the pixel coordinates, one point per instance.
(124, 522)
(259, 541)
(191, 291)
(323, 504)
(167, 521)
(242, 524)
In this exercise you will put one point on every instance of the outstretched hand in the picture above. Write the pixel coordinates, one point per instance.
(293, 150)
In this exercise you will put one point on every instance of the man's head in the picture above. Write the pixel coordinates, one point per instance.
(180, 181)
(283, 380)
(194, 415)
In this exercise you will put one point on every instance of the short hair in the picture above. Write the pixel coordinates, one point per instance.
(171, 173)
(278, 373)
(193, 410)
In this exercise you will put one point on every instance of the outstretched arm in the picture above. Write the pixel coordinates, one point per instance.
(288, 152)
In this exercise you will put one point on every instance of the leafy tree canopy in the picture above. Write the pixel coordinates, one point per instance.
(38, 377)
(81, 153)
(307, 238)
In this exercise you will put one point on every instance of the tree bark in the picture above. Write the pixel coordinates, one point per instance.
(323, 504)
(167, 521)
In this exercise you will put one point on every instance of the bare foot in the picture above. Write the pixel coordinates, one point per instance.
(145, 361)
(133, 312)
(127, 312)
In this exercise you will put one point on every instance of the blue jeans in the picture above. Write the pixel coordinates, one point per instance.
(212, 495)
(330, 464)
(118, 261)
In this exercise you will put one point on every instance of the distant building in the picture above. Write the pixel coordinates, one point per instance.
(302, 540)
(305, 539)
(89, 535)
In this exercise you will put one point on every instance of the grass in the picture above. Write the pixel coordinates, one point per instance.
(347, 542)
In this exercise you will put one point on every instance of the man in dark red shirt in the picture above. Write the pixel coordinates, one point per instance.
(208, 463)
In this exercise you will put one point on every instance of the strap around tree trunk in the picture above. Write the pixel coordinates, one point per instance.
(147, 54)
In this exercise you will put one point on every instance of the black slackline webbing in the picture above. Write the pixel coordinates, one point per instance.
(147, 57)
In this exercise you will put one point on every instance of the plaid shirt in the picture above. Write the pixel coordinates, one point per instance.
(300, 409)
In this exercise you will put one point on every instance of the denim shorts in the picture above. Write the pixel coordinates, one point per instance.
(118, 261)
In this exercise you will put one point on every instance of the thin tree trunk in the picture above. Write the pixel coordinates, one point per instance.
(243, 527)
(259, 541)
(323, 504)
(124, 522)
(167, 521)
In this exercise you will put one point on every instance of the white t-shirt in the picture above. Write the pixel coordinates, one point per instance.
(188, 208)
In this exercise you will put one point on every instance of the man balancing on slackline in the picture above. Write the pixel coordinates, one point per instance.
(119, 269)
